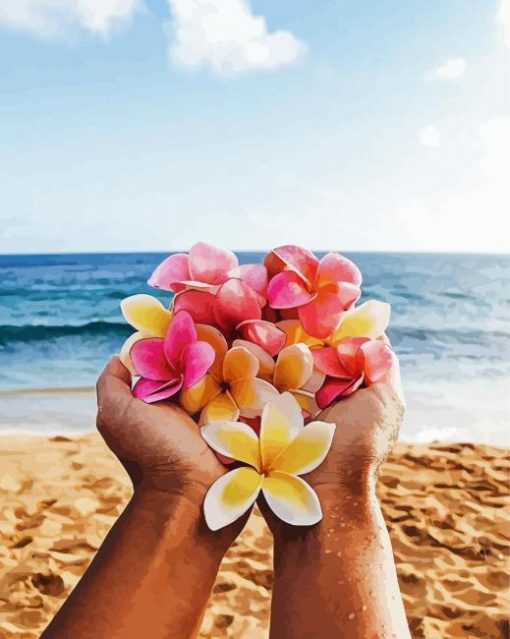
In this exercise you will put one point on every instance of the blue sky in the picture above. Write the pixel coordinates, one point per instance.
(357, 126)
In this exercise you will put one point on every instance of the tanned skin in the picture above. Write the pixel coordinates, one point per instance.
(338, 579)
(154, 572)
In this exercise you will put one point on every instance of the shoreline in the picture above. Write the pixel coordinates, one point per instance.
(433, 415)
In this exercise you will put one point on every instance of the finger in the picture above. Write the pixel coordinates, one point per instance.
(115, 379)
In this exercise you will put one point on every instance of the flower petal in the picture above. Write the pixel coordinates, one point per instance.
(233, 439)
(336, 389)
(215, 338)
(281, 421)
(264, 333)
(294, 367)
(296, 334)
(291, 499)
(199, 304)
(149, 361)
(254, 275)
(369, 319)
(174, 269)
(239, 363)
(125, 351)
(315, 382)
(181, 332)
(210, 264)
(322, 315)
(307, 403)
(231, 496)
(185, 285)
(153, 391)
(221, 408)
(196, 359)
(295, 258)
(251, 395)
(287, 290)
(235, 302)
(307, 450)
(334, 267)
(350, 354)
(146, 313)
(327, 361)
(195, 397)
(378, 360)
(348, 294)
(266, 362)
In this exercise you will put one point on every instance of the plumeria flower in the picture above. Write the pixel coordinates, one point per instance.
(150, 319)
(321, 290)
(353, 362)
(285, 449)
(369, 319)
(293, 371)
(235, 310)
(206, 267)
(165, 365)
(230, 390)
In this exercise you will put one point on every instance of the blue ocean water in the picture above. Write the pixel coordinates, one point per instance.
(60, 319)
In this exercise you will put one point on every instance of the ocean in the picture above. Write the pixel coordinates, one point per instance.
(60, 320)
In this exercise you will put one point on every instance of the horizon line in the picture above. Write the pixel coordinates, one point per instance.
(244, 251)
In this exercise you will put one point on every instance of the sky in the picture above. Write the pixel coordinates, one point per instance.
(140, 125)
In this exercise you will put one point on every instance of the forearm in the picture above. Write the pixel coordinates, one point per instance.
(338, 579)
(151, 577)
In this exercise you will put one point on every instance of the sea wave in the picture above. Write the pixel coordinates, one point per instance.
(32, 332)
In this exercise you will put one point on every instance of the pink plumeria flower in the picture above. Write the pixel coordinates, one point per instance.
(353, 362)
(165, 365)
(206, 267)
(235, 310)
(321, 290)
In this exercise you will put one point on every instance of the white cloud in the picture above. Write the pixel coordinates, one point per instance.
(504, 19)
(430, 137)
(451, 69)
(54, 19)
(225, 36)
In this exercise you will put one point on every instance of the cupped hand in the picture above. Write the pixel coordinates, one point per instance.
(367, 426)
(158, 444)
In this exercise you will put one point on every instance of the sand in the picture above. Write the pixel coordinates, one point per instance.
(445, 507)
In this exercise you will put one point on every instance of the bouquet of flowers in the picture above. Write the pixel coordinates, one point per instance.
(254, 352)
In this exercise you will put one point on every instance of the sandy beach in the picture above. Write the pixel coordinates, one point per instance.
(446, 506)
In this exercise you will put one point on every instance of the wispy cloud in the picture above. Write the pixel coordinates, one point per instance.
(504, 19)
(451, 69)
(55, 19)
(430, 137)
(225, 36)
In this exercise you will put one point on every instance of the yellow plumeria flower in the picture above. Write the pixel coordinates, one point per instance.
(148, 316)
(285, 449)
(369, 319)
(293, 371)
(230, 389)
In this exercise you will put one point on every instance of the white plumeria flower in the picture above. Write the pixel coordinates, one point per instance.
(285, 449)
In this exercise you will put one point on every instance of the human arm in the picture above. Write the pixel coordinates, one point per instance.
(154, 572)
(338, 578)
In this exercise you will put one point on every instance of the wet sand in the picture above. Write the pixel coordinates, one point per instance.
(446, 506)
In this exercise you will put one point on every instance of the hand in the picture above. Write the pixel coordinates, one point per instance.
(159, 445)
(367, 426)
